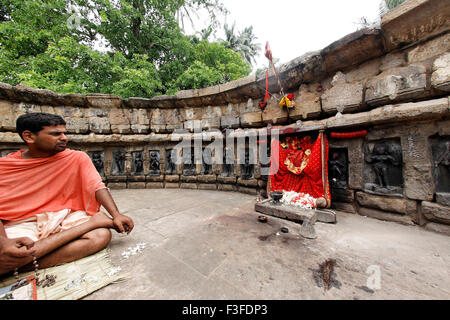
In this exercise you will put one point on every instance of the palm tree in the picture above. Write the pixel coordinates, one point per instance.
(391, 4)
(243, 43)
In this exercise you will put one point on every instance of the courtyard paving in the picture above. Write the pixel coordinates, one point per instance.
(209, 245)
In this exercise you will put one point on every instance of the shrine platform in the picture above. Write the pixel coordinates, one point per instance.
(210, 245)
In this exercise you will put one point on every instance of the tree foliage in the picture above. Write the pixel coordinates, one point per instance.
(123, 47)
(242, 42)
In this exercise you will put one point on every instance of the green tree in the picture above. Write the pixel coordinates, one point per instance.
(214, 64)
(146, 52)
(242, 42)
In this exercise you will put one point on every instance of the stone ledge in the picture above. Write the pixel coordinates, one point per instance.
(414, 21)
(385, 216)
(402, 206)
(436, 212)
(437, 227)
(353, 49)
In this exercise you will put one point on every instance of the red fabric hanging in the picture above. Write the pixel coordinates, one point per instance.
(310, 179)
(267, 96)
(348, 135)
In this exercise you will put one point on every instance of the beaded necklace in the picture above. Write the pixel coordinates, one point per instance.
(47, 282)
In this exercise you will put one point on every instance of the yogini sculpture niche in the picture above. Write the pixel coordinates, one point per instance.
(247, 168)
(189, 167)
(338, 168)
(98, 159)
(383, 167)
(118, 167)
(155, 162)
(441, 168)
(170, 168)
(138, 163)
(228, 163)
(207, 162)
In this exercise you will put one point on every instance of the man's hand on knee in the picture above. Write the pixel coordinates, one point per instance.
(12, 251)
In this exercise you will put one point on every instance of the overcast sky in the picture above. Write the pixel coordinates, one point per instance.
(294, 27)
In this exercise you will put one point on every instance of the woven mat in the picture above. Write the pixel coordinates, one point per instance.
(77, 279)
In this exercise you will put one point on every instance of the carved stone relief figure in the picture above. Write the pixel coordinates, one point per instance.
(155, 163)
(97, 158)
(228, 163)
(189, 167)
(170, 162)
(138, 163)
(206, 162)
(385, 161)
(338, 168)
(265, 167)
(118, 162)
(441, 165)
(247, 169)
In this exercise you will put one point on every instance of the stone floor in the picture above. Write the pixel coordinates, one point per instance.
(210, 245)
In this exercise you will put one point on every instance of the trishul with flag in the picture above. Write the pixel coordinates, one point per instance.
(287, 100)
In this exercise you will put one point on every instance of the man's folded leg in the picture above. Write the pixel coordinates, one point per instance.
(67, 245)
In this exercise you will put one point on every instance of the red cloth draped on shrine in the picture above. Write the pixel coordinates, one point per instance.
(297, 166)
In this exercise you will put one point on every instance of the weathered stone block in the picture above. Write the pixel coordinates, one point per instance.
(246, 190)
(440, 78)
(226, 180)
(111, 178)
(104, 100)
(136, 178)
(443, 198)
(402, 206)
(185, 185)
(247, 183)
(386, 216)
(155, 178)
(226, 187)
(342, 195)
(418, 181)
(211, 123)
(117, 185)
(172, 178)
(154, 185)
(251, 119)
(344, 206)
(429, 49)
(342, 95)
(136, 185)
(414, 21)
(307, 101)
(77, 125)
(188, 179)
(99, 125)
(437, 227)
(423, 110)
(397, 84)
(207, 178)
(171, 185)
(392, 60)
(436, 212)
(353, 49)
(7, 115)
(207, 186)
(230, 122)
(273, 113)
(348, 120)
(193, 125)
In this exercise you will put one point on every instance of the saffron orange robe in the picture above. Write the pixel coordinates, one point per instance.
(67, 180)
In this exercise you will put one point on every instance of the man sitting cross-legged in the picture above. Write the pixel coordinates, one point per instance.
(50, 198)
